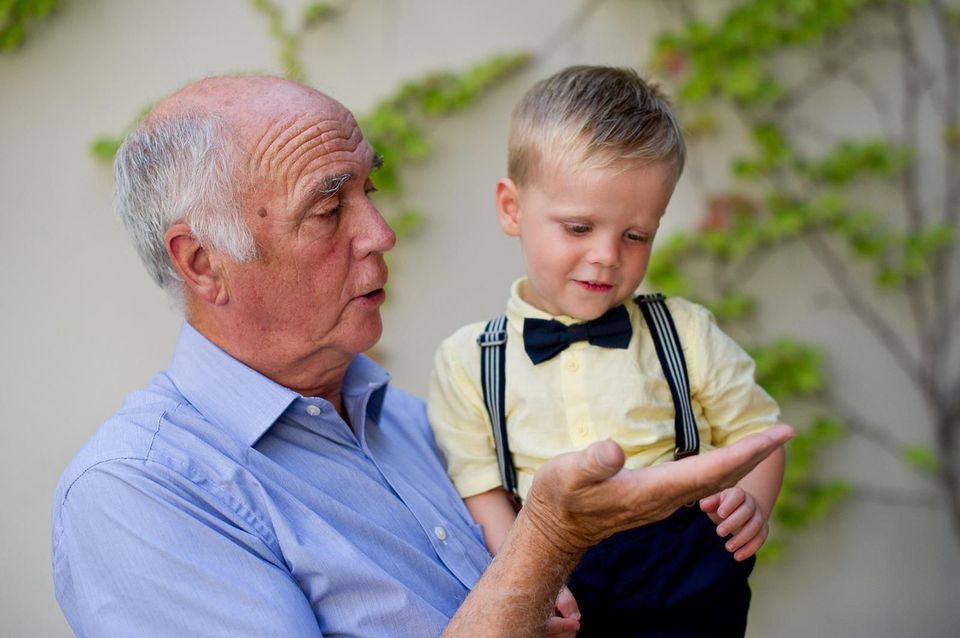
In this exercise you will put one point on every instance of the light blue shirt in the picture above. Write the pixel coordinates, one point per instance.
(218, 503)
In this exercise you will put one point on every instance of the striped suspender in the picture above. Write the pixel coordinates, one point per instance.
(493, 345)
(667, 342)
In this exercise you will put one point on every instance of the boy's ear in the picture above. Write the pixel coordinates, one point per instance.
(508, 206)
(198, 267)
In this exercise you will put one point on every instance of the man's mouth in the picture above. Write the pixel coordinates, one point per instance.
(377, 297)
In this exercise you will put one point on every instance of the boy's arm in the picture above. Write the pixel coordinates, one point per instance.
(493, 510)
(743, 511)
(764, 482)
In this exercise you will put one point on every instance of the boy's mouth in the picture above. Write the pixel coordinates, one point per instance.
(593, 286)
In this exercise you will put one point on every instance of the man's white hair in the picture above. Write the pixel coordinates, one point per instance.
(180, 168)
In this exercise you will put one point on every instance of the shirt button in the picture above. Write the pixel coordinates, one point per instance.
(440, 533)
(313, 410)
(573, 365)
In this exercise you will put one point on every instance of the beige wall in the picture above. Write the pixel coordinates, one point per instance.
(82, 325)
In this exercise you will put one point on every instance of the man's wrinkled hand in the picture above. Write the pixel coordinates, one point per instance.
(579, 499)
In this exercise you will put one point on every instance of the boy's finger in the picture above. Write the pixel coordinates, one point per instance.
(730, 500)
(749, 549)
(710, 503)
(750, 530)
(736, 520)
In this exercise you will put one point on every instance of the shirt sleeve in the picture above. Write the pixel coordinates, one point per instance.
(722, 381)
(140, 551)
(459, 417)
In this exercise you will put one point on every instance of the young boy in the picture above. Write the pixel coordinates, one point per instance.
(594, 155)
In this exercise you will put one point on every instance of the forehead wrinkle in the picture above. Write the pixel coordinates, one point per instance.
(292, 142)
(268, 138)
(301, 156)
(333, 145)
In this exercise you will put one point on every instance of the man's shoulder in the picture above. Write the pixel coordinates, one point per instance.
(126, 437)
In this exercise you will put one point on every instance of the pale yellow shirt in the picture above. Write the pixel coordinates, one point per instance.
(589, 393)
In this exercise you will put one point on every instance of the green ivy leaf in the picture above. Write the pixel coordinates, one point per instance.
(921, 458)
(316, 13)
(105, 148)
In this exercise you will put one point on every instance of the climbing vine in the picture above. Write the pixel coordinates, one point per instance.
(787, 195)
(397, 125)
(16, 16)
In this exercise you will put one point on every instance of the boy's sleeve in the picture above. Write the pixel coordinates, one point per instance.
(458, 416)
(722, 381)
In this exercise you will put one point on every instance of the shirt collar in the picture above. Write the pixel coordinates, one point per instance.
(241, 400)
(518, 309)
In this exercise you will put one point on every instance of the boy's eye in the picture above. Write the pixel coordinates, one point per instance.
(578, 229)
(636, 237)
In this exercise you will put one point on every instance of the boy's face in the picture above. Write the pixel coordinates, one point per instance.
(586, 233)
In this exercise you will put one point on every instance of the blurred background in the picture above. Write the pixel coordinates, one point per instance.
(817, 217)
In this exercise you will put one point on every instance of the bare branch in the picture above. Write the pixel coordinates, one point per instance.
(910, 76)
(877, 98)
(941, 270)
(870, 316)
(832, 65)
(568, 27)
(897, 498)
(858, 425)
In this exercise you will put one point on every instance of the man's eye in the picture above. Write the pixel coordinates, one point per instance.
(330, 214)
(370, 190)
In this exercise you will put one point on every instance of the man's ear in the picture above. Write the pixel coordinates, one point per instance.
(199, 269)
(508, 206)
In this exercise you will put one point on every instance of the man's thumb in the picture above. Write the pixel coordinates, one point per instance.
(601, 460)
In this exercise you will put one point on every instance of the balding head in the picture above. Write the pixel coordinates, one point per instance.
(244, 103)
(189, 160)
(251, 196)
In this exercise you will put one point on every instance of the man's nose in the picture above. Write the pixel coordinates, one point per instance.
(375, 234)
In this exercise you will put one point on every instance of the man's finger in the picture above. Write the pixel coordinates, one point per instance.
(730, 463)
(567, 605)
(599, 461)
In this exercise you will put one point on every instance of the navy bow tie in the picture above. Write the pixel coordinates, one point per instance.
(544, 339)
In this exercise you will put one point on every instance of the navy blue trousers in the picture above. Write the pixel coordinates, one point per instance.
(668, 579)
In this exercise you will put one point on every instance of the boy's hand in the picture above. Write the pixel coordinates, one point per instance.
(565, 620)
(735, 512)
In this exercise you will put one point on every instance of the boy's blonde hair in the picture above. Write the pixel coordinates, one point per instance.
(592, 114)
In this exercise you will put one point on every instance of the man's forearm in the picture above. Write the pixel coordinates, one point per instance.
(517, 591)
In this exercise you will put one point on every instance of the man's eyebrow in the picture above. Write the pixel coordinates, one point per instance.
(328, 186)
(333, 184)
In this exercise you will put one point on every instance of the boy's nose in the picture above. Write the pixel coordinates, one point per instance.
(605, 253)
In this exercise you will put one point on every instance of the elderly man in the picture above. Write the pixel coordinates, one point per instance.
(270, 482)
